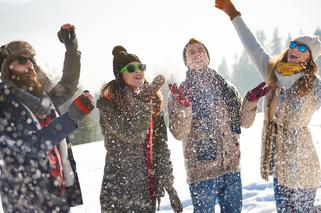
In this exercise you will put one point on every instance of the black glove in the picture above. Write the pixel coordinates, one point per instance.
(81, 107)
(149, 90)
(174, 199)
(67, 36)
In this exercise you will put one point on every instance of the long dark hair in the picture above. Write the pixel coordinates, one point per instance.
(118, 91)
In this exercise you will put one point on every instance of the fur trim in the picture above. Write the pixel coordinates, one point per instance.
(20, 48)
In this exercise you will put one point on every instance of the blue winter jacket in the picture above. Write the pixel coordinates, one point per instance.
(26, 182)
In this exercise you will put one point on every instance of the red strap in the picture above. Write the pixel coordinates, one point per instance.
(81, 106)
(54, 157)
(151, 130)
(148, 156)
(52, 160)
(45, 121)
(56, 166)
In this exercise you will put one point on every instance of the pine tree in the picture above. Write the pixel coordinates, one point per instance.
(276, 43)
(244, 75)
(223, 70)
(170, 78)
(317, 32)
(261, 37)
(88, 130)
(288, 40)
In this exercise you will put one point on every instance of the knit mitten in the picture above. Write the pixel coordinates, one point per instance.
(81, 107)
(68, 37)
(179, 94)
(149, 90)
(174, 200)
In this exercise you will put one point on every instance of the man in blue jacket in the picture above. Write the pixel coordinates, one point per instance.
(38, 173)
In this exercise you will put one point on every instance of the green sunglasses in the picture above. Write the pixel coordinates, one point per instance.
(133, 67)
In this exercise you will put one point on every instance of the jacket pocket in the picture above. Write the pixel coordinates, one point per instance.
(206, 149)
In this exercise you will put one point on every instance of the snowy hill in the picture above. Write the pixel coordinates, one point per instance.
(257, 194)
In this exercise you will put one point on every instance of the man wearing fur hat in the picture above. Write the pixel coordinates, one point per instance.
(38, 173)
(288, 153)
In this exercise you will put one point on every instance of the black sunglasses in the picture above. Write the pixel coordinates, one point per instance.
(24, 60)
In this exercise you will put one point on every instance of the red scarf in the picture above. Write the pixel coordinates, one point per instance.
(54, 157)
(148, 156)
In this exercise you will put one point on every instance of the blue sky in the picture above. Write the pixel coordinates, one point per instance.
(155, 30)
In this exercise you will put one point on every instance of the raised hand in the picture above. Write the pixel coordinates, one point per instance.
(151, 89)
(228, 7)
(81, 106)
(174, 199)
(67, 36)
(258, 92)
(179, 94)
(156, 83)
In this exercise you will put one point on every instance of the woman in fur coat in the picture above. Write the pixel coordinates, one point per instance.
(288, 153)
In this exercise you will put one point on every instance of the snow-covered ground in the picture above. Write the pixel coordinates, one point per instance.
(257, 194)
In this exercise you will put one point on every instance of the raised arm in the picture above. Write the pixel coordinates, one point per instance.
(257, 53)
(67, 86)
(65, 124)
(50, 135)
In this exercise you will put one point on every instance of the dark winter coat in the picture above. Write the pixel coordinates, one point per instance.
(26, 182)
(124, 183)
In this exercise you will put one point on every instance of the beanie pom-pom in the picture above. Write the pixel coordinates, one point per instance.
(118, 49)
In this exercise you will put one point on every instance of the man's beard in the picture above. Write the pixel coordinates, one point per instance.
(28, 81)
